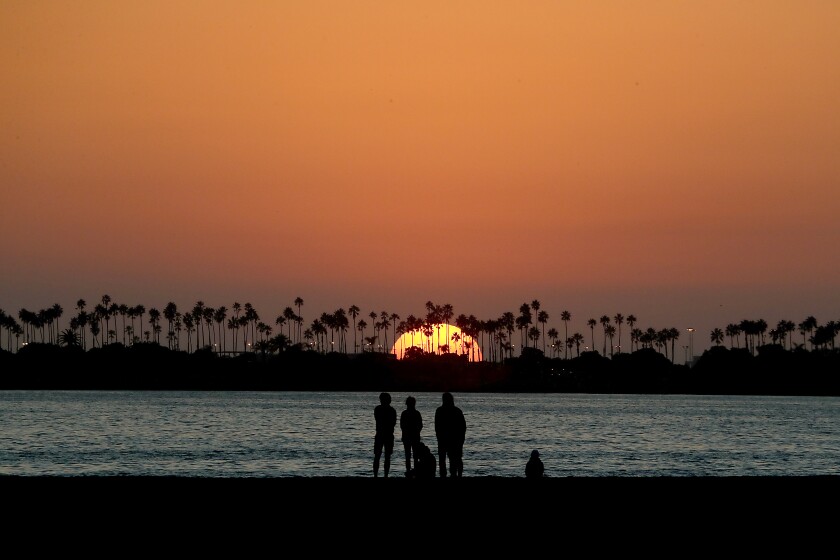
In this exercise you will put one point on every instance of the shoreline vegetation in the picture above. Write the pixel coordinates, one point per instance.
(115, 346)
(773, 370)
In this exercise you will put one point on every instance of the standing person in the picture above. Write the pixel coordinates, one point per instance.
(386, 420)
(534, 467)
(450, 429)
(411, 423)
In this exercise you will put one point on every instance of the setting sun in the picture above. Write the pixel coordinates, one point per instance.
(434, 340)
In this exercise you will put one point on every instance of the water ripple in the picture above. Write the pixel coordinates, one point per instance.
(256, 434)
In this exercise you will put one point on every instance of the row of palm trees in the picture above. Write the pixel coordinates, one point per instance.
(756, 334)
(240, 329)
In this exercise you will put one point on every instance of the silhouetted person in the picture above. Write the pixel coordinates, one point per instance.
(411, 423)
(450, 429)
(534, 468)
(386, 420)
(425, 465)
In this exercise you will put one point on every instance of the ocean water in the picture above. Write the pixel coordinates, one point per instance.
(309, 434)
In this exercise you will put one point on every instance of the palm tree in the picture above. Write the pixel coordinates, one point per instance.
(341, 325)
(631, 322)
(189, 324)
(68, 337)
(289, 315)
(673, 335)
(251, 317)
(565, 316)
(750, 330)
(56, 311)
(434, 317)
(179, 323)
(105, 308)
(123, 311)
(299, 318)
(361, 327)
(783, 328)
(154, 319)
(446, 314)
(354, 311)
(635, 336)
(220, 315)
(318, 331)
(534, 334)
(508, 322)
(523, 322)
(661, 340)
(132, 315)
(279, 342)
(428, 330)
(141, 311)
(83, 318)
(542, 318)
(169, 313)
(29, 319)
(649, 338)
(113, 311)
(95, 329)
(198, 315)
(605, 322)
(552, 336)
(385, 323)
(807, 327)
(535, 305)
(394, 320)
(733, 331)
(619, 319)
(375, 326)
(208, 314)
(609, 331)
(761, 327)
(592, 323)
(280, 321)
(577, 338)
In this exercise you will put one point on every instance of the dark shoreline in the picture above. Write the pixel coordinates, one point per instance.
(149, 366)
(477, 487)
(473, 513)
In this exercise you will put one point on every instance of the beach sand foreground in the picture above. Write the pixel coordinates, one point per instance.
(611, 512)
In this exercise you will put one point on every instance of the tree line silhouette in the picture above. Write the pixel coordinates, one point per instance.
(240, 329)
(207, 347)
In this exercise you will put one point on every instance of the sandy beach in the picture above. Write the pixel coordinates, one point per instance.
(471, 516)
(480, 494)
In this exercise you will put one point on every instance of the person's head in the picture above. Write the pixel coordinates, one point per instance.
(410, 402)
(448, 398)
(384, 398)
(535, 454)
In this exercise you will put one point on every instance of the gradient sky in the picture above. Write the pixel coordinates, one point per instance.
(677, 160)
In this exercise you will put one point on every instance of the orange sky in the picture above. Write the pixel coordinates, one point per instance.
(674, 160)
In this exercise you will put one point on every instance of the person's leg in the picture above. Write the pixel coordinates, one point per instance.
(456, 464)
(408, 446)
(377, 452)
(442, 460)
(389, 449)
